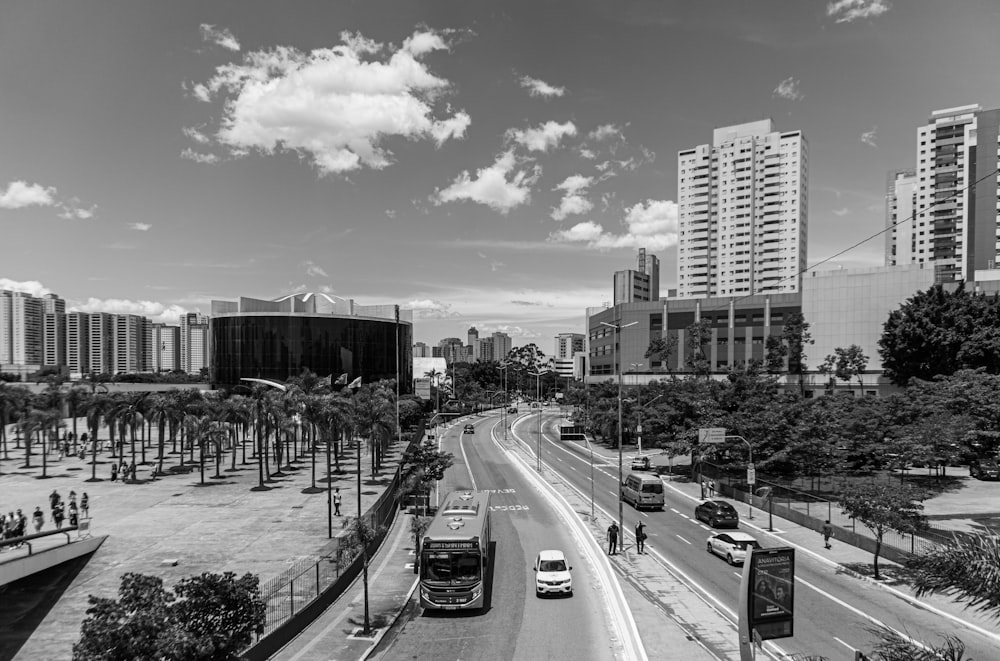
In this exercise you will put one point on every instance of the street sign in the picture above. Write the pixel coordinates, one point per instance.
(638, 429)
(751, 475)
(712, 435)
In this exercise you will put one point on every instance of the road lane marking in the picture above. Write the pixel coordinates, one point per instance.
(853, 649)
(683, 540)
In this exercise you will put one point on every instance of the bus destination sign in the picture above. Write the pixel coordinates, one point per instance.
(450, 546)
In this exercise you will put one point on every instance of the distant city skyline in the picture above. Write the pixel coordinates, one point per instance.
(488, 166)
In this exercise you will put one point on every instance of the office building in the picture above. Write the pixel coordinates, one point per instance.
(640, 284)
(421, 350)
(473, 344)
(955, 224)
(501, 345)
(194, 333)
(742, 213)
(567, 346)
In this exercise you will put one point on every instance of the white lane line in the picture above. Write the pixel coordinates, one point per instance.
(613, 493)
(465, 459)
(683, 540)
(678, 512)
(850, 647)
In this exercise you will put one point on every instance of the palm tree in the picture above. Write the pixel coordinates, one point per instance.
(12, 400)
(372, 417)
(49, 420)
(204, 430)
(75, 398)
(434, 375)
(159, 409)
(129, 416)
(97, 407)
(30, 424)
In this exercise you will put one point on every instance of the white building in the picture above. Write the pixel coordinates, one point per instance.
(900, 204)
(567, 347)
(742, 212)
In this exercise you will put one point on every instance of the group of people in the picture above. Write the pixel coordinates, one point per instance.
(614, 532)
(125, 470)
(15, 524)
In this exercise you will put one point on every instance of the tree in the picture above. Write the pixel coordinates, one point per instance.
(882, 506)
(845, 364)
(775, 353)
(423, 465)
(699, 335)
(938, 332)
(795, 336)
(661, 349)
(211, 616)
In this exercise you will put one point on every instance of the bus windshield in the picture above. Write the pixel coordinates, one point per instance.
(451, 567)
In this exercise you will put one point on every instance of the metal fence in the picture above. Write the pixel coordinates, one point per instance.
(809, 509)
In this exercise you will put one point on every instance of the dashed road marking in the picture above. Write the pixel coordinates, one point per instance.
(683, 540)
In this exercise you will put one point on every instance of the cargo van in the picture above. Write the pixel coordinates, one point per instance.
(643, 491)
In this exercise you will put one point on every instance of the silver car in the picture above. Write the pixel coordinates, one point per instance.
(732, 546)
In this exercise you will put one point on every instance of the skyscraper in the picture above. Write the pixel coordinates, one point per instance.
(77, 335)
(53, 331)
(641, 284)
(194, 342)
(742, 212)
(165, 348)
(955, 223)
(101, 340)
(473, 344)
(501, 345)
(21, 329)
(131, 337)
(900, 203)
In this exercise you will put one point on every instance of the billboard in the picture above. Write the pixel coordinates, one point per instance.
(422, 387)
(771, 585)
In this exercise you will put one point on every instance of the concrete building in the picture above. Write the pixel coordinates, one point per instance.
(473, 344)
(742, 212)
(453, 350)
(194, 331)
(53, 331)
(567, 347)
(165, 348)
(22, 323)
(900, 205)
(77, 335)
(640, 284)
(421, 350)
(101, 342)
(131, 344)
(955, 224)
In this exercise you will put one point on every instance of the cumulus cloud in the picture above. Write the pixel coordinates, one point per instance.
(544, 137)
(574, 200)
(788, 89)
(198, 157)
(22, 194)
(501, 186)
(315, 270)
(336, 106)
(33, 287)
(605, 131)
(847, 11)
(391, 213)
(219, 36)
(651, 224)
(156, 311)
(612, 153)
(870, 138)
(541, 88)
(841, 212)
(196, 135)
(427, 308)
(140, 227)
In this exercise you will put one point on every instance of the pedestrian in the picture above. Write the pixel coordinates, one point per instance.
(62, 450)
(336, 501)
(85, 505)
(22, 525)
(114, 472)
(132, 469)
(711, 488)
(74, 516)
(123, 470)
(827, 534)
(54, 498)
(39, 519)
(612, 538)
(640, 536)
(58, 514)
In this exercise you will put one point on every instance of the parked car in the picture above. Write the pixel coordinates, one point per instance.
(469, 429)
(984, 469)
(552, 573)
(640, 462)
(732, 546)
(717, 513)
(512, 410)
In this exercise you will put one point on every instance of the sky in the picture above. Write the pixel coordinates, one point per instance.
(484, 163)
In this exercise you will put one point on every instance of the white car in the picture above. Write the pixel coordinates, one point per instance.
(552, 574)
(732, 545)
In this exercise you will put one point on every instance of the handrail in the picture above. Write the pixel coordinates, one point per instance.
(26, 539)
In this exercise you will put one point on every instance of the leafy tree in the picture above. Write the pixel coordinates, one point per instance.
(775, 353)
(938, 332)
(845, 364)
(699, 335)
(422, 466)
(882, 506)
(661, 349)
(210, 617)
(795, 336)
(967, 569)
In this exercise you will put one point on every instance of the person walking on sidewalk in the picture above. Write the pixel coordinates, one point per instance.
(38, 518)
(85, 505)
(640, 536)
(827, 531)
(336, 501)
(612, 538)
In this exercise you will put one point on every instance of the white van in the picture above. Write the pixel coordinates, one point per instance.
(641, 491)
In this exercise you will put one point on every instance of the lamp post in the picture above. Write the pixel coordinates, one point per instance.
(638, 412)
(635, 370)
(614, 353)
(750, 471)
(538, 439)
(503, 382)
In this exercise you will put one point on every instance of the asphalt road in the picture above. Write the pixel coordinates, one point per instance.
(516, 624)
(834, 611)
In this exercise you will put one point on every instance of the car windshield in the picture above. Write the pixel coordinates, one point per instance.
(552, 565)
(452, 568)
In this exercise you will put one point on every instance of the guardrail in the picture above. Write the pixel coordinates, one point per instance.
(27, 539)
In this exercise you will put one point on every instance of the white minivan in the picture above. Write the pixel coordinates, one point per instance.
(642, 490)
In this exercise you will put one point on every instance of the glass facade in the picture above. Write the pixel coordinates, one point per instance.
(279, 346)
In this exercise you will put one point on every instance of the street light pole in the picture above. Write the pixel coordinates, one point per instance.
(538, 439)
(614, 358)
(638, 411)
(749, 468)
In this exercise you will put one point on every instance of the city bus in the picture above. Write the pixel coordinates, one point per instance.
(454, 553)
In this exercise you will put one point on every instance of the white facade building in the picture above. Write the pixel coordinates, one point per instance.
(742, 212)
(900, 205)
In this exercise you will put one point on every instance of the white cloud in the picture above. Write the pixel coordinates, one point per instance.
(73, 212)
(222, 37)
(32, 287)
(315, 270)
(22, 194)
(427, 308)
(501, 186)
(156, 311)
(333, 106)
(538, 87)
(605, 131)
(651, 224)
(196, 135)
(140, 227)
(543, 138)
(198, 157)
(573, 200)
(870, 138)
(587, 153)
(841, 212)
(391, 213)
(788, 89)
(847, 11)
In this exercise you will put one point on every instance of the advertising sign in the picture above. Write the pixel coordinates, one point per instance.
(422, 388)
(772, 583)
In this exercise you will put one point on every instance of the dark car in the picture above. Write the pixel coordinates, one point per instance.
(469, 429)
(984, 469)
(718, 514)
(512, 409)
